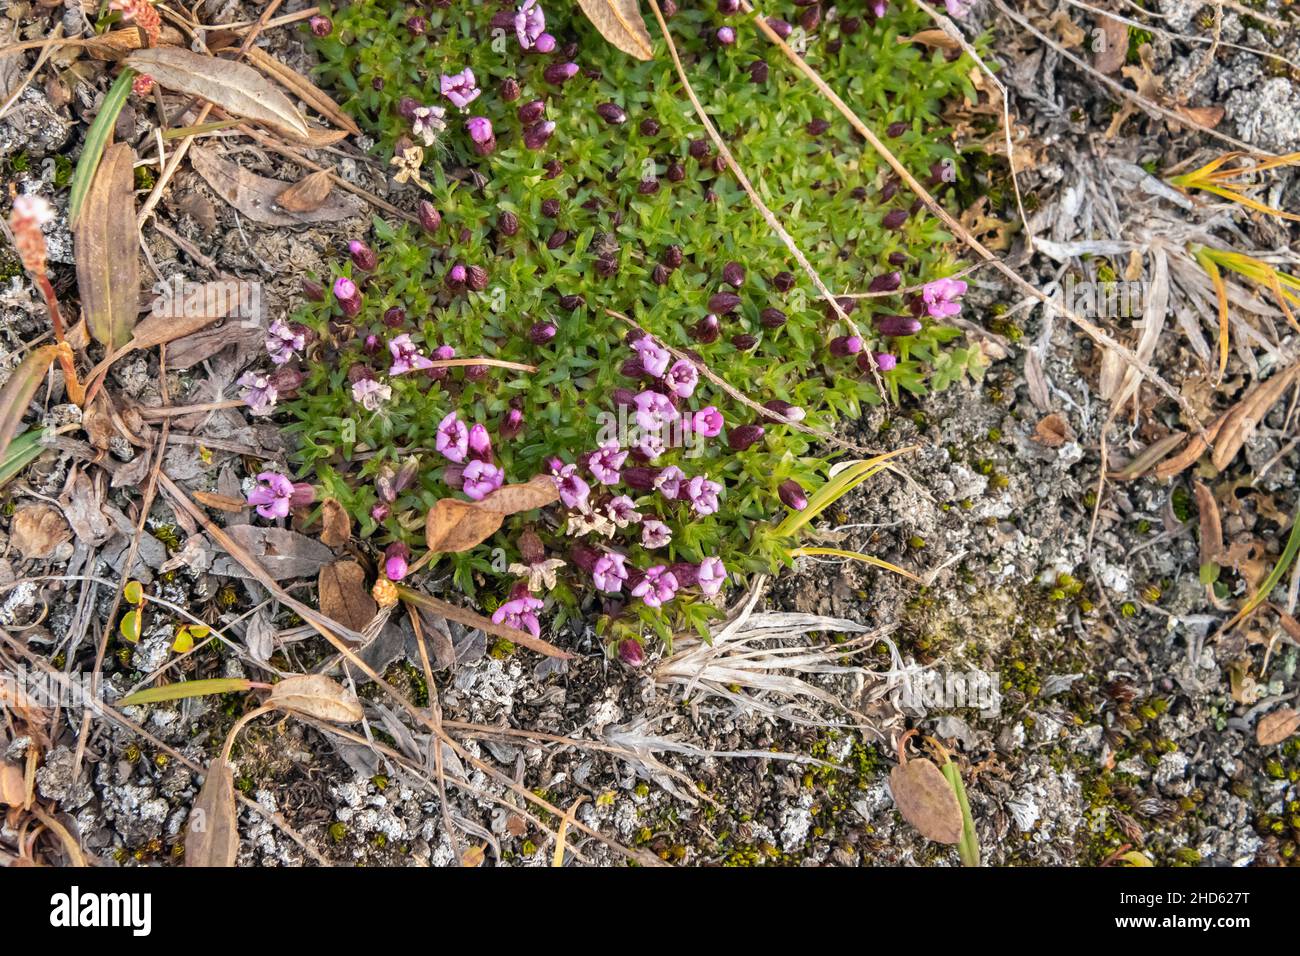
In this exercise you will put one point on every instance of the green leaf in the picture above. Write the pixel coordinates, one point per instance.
(969, 845)
(19, 390)
(24, 450)
(189, 688)
(96, 139)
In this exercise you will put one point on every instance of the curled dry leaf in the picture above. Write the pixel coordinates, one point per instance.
(307, 194)
(13, 789)
(37, 530)
(344, 596)
(1053, 431)
(1207, 116)
(933, 38)
(1211, 524)
(926, 800)
(1241, 422)
(454, 525)
(282, 553)
(1278, 726)
(233, 86)
(258, 198)
(210, 499)
(336, 524)
(212, 833)
(1109, 44)
(316, 696)
(620, 22)
(301, 87)
(107, 250)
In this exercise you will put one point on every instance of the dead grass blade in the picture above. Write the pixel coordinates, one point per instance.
(107, 250)
(212, 832)
(469, 619)
(20, 389)
(303, 88)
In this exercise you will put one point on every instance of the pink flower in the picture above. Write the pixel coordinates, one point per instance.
(480, 131)
(650, 446)
(657, 587)
(428, 121)
(481, 479)
(653, 410)
(480, 443)
(453, 438)
(941, 297)
(653, 356)
(283, 341)
(707, 422)
(682, 378)
(655, 534)
(406, 356)
(957, 8)
(573, 490)
(461, 88)
(609, 573)
(260, 393)
(348, 296)
(521, 614)
(710, 575)
(605, 463)
(669, 481)
(622, 511)
(703, 495)
(275, 495)
(396, 558)
(530, 24)
(370, 394)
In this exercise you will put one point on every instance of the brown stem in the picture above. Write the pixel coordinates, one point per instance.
(70, 380)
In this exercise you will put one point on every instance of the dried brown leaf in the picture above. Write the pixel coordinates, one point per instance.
(344, 596)
(210, 499)
(1109, 44)
(1211, 523)
(619, 22)
(212, 833)
(1207, 116)
(37, 530)
(307, 194)
(1053, 431)
(926, 800)
(932, 38)
(316, 696)
(235, 87)
(1241, 422)
(302, 87)
(258, 197)
(454, 525)
(1275, 727)
(336, 524)
(13, 789)
(107, 250)
(282, 553)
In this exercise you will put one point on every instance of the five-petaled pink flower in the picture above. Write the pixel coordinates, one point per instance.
(283, 341)
(622, 511)
(407, 357)
(605, 463)
(682, 378)
(370, 394)
(609, 572)
(657, 587)
(655, 534)
(703, 494)
(573, 490)
(453, 438)
(260, 393)
(530, 27)
(461, 88)
(654, 357)
(941, 297)
(707, 421)
(653, 410)
(710, 575)
(481, 479)
(275, 495)
(669, 481)
(520, 613)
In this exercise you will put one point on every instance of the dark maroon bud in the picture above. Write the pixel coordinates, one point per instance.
(745, 435)
(660, 274)
(372, 345)
(898, 258)
(532, 111)
(321, 26)
(850, 25)
(416, 25)
(896, 325)
(558, 74)
(632, 368)
(792, 495)
(787, 411)
(672, 257)
(583, 557)
(558, 238)
(510, 89)
(507, 223)
(733, 273)
(569, 51)
(707, 330)
(783, 281)
(453, 476)
(406, 107)
(477, 278)
(542, 332)
(457, 276)
(430, 218)
(894, 219)
(846, 345)
(377, 83)
(648, 187)
(780, 27)
(889, 190)
(476, 373)
(744, 343)
(676, 172)
(687, 575)
(535, 136)
(572, 302)
(624, 396)
(313, 290)
(465, 235)
(611, 113)
(639, 477)
(616, 218)
(512, 423)
(606, 266)
(668, 8)
(363, 257)
(915, 305)
(550, 208)
(858, 192)
(817, 127)
(728, 7)
(700, 149)
(896, 129)
(287, 381)
(554, 168)
(360, 372)
(847, 306)
(531, 549)
(758, 71)
(719, 164)
(649, 127)
(834, 46)
(722, 303)
(630, 651)
(725, 36)
(887, 282)
(771, 318)
(810, 18)
(503, 20)
(395, 317)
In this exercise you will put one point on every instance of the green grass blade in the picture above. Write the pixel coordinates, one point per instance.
(22, 451)
(96, 139)
(189, 688)
(969, 845)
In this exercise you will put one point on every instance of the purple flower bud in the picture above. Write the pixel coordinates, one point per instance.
(572, 302)
(700, 149)
(707, 330)
(511, 425)
(456, 277)
(558, 74)
(896, 129)
(733, 273)
(672, 257)
(886, 361)
(321, 26)
(758, 71)
(783, 281)
(846, 345)
(360, 372)
(771, 318)
(510, 89)
(780, 27)
(630, 652)
(372, 345)
(313, 290)
(723, 303)
(648, 187)
(583, 557)
(378, 513)
(850, 26)
(476, 278)
(480, 131)
(894, 218)
(557, 239)
(535, 136)
(887, 282)
(810, 18)
(741, 437)
(287, 381)
(898, 258)
(791, 413)
(744, 343)
(363, 257)
(817, 126)
(406, 107)
(611, 113)
(430, 218)
(640, 477)
(542, 332)
(726, 36)
(728, 7)
(396, 558)
(660, 274)
(508, 223)
(395, 317)
(676, 172)
(550, 208)
(668, 8)
(606, 266)
(532, 111)
(792, 495)
(545, 43)
(553, 170)
(349, 299)
(416, 25)
(649, 127)
(897, 325)
(624, 396)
